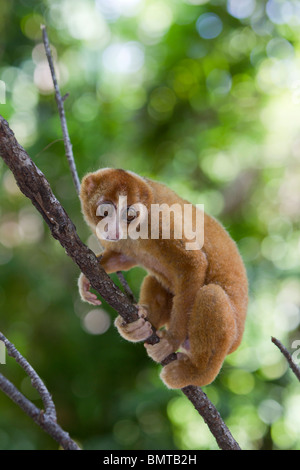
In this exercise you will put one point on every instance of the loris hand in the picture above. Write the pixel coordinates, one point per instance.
(161, 350)
(138, 330)
(84, 290)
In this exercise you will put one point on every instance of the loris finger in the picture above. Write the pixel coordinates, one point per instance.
(142, 310)
(84, 289)
(92, 298)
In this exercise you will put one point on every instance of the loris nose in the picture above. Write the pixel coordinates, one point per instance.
(115, 236)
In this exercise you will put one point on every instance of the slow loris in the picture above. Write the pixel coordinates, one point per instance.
(196, 297)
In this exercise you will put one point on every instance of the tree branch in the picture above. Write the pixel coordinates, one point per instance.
(35, 186)
(46, 420)
(61, 111)
(293, 366)
(36, 381)
(66, 138)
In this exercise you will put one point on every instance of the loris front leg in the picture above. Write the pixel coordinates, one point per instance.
(111, 261)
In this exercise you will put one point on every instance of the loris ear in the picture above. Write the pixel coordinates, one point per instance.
(89, 184)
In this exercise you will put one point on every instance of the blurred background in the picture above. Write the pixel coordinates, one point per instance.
(205, 97)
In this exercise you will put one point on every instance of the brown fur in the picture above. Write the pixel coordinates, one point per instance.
(199, 296)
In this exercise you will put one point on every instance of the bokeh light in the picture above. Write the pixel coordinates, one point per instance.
(123, 58)
(279, 48)
(241, 8)
(113, 9)
(162, 102)
(155, 20)
(209, 25)
(219, 82)
(96, 322)
(279, 12)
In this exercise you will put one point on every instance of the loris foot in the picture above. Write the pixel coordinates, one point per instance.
(84, 290)
(138, 330)
(179, 373)
(161, 350)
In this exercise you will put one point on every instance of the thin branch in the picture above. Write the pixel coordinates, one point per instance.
(36, 381)
(293, 366)
(211, 417)
(126, 287)
(47, 146)
(61, 111)
(67, 141)
(35, 186)
(45, 421)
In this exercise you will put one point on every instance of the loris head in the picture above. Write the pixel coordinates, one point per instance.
(112, 198)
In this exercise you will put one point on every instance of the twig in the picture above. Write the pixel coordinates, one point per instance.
(67, 141)
(126, 287)
(34, 185)
(47, 146)
(293, 366)
(47, 419)
(36, 381)
(61, 111)
(39, 417)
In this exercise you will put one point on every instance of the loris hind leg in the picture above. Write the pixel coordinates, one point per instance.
(157, 300)
(155, 305)
(212, 332)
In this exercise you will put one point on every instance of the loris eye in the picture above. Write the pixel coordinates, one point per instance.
(105, 209)
(131, 214)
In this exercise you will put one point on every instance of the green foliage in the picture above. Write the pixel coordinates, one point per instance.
(203, 95)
